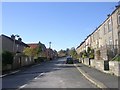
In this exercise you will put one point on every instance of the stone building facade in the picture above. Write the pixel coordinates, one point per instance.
(106, 37)
(16, 47)
(8, 43)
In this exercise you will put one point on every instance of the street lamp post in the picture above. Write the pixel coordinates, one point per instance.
(50, 50)
(14, 42)
(50, 44)
(14, 46)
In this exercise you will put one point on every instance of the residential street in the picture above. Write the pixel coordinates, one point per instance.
(53, 45)
(51, 74)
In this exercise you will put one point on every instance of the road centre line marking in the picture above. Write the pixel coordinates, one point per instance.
(36, 78)
(39, 75)
(22, 86)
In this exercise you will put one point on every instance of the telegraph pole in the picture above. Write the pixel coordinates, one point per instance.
(50, 44)
(14, 42)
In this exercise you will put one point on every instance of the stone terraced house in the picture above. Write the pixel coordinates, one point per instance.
(105, 38)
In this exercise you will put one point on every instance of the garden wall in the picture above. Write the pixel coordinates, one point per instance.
(112, 67)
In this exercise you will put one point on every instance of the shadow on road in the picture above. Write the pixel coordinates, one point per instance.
(28, 74)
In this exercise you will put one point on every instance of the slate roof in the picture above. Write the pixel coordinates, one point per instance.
(16, 41)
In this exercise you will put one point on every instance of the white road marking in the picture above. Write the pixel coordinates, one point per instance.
(39, 75)
(14, 72)
(22, 86)
(9, 73)
(36, 78)
(2, 75)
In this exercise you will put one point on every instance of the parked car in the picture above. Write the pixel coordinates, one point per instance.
(69, 60)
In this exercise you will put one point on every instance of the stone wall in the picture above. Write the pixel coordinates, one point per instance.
(19, 61)
(113, 67)
(22, 60)
(98, 64)
(86, 61)
(26, 61)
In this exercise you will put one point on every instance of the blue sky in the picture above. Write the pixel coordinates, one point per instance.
(66, 25)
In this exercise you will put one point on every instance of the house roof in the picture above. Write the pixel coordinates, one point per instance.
(16, 41)
(33, 45)
(80, 44)
(49, 49)
(117, 7)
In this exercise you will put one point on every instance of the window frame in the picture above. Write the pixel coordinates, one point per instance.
(119, 19)
(109, 25)
(105, 28)
(110, 40)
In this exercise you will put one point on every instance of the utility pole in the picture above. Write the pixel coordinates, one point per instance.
(50, 44)
(14, 42)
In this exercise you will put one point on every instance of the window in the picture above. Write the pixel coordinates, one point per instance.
(116, 43)
(93, 38)
(109, 25)
(118, 19)
(98, 34)
(105, 29)
(110, 40)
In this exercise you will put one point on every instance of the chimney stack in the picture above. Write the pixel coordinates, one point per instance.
(12, 36)
(108, 15)
(20, 39)
(118, 4)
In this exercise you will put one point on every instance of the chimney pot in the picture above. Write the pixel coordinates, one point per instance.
(108, 15)
(20, 39)
(12, 36)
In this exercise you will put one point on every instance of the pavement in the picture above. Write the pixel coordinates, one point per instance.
(100, 79)
(56, 74)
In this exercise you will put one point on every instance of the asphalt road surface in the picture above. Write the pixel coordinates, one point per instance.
(51, 74)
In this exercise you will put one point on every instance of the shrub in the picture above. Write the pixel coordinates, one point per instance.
(84, 55)
(88, 50)
(116, 58)
(40, 59)
(7, 57)
(91, 56)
